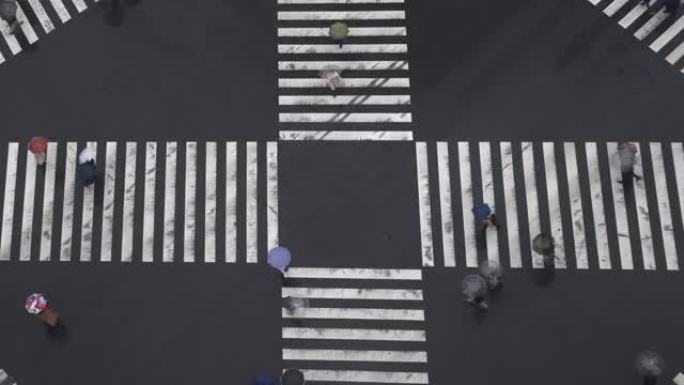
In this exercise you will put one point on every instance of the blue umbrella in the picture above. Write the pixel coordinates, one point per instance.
(263, 379)
(481, 211)
(279, 258)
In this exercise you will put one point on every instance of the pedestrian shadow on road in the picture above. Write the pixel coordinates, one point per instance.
(544, 276)
(58, 334)
(115, 10)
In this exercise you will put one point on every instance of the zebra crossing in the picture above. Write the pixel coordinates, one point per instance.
(569, 190)
(373, 63)
(138, 212)
(650, 23)
(361, 325)
(31, 13)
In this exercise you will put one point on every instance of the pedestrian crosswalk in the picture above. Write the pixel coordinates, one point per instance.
(373, 64)
(137, 211)
(30, 14)
(569, 190)
(360, 325)
(649, 21)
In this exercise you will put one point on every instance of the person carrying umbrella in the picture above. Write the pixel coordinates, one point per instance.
(8, 13)
(627, 155)
(474, 288)
(332, 77)
(484, 214)
(544, 245)
(650, 365)
(87, 172)
(291, 304)
(492, 272)
(38, 147)
(293, 377)
(263, 379)
(36, 304)
(339, 32)
(279, 258)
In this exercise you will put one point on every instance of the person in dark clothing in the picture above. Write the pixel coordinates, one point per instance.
(627, 155)
(672, 6)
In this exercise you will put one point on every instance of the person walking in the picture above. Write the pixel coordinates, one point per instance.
(484, 214)
(86, 170)
(492, 272)
(627, 154)
(38, 147)
(339, 33)
(332, 77)
(650, 365)
(263, 379)
(279, 258)
(37, 305)
(544, 245)
(474, 289)
(292, 376)
(8, 13)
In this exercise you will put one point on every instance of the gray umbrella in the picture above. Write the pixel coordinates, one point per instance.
(650, 364)
(490, 269)
(543, 244)
(8, 9)
(473, 285)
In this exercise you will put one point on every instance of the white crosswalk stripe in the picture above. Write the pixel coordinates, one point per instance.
(651, 23)
(133, 203)
(308, 342)
(555, 204)
(380, 53)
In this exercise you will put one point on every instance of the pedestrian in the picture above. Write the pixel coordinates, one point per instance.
(474, 288)
(279, 258)
(8, 13)
(37, 305)
(38, 147)
(332, 77)
(291, 304)
(484, 214)
(544, 245)
(263, 379)
(339, 33)
(86, 170)
(672, 6)
(650, 366)
(627, 154)
(292, 377)
(492, 272)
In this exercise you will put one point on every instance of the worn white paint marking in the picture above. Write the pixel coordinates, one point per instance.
(553, 196)
(88, 214)
(80, 5)
(346, 83)
(678, 162)
(575, 195)
(341, 100)
(355, 313)
(231, 201)
(345, 15)
(470, 242)
(666, 228)
(620, 208)
(68, 204)
(445, 210)
(597, 208)
(350, 273)
(678, 379)
(638, 10)
(651, 24)
(25, 25)
(272, 195)
(614, 7)
(353, 334)
(41, 15)
(210, 203)
(8, 203)
(353, 31)
(290, 49)
(311, 375)
(61, 10)
(128, 221)
(354, 355)
(424, 209)
(27, 212)
(148, 201)
(170, 200)
(594, 2)
(339, 1)
(669, 34)
(512, 227)
(532, 200)
(108, 202)
(344, 117)
(189, 228)
(346, 135)
(643, 215)
(48, 202)
(353, 293)
(356, 65)
(10, 39)
(251, 197)
(487, 175)
(676, 54)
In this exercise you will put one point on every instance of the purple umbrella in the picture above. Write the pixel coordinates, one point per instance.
(279, 258)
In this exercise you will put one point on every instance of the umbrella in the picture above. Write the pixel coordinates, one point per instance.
(490, 269)
(650, 364)
(543, 244)
(86, 155)
(338, 30)
(481, 211)
(279, 258)
(293, 377)
(87, 172)
(8, 9)
(38, 144)
(473, 285)
(35, 303)
(263, 379)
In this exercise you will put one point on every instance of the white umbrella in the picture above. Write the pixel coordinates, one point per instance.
(86, 155)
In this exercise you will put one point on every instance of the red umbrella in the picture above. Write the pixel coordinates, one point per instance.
(38, 144)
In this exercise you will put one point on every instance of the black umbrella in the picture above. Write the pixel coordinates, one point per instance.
(543, 244)
(293, 377)
(8, 9)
